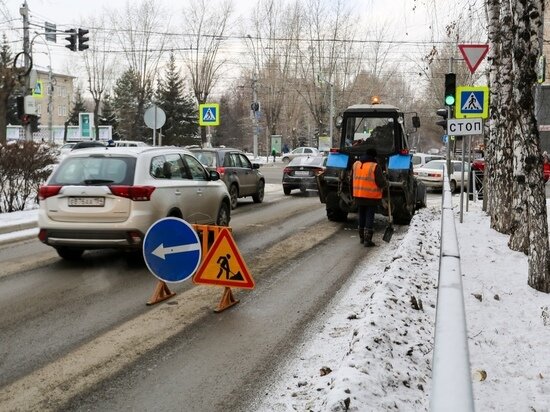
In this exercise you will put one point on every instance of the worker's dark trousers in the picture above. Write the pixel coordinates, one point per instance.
(366, 216)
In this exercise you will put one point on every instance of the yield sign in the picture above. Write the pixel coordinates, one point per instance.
(224, 265)
(473, 54)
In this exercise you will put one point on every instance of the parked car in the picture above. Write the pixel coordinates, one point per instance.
(87, 144)
(432, 174)
(301, 173)
(420, 159)
(301, 151)
(241, 176)
(109, 197)
(479, 165)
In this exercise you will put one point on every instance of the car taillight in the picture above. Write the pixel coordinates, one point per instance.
(47, 191)
(220, 170)
(43, 235)
(317, 170)
(404, 152)
(287, 170)
(434, 174)
(137, 193)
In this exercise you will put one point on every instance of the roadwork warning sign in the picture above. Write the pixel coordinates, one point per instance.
(224, 265)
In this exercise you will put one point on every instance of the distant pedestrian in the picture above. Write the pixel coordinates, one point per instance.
(368, 183)
(273, 153)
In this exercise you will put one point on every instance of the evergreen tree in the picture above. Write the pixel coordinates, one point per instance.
(125, 101)
(108, 116)
(8, 83)
(181, 114)
(79, 107)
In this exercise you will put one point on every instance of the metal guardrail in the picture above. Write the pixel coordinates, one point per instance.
(451, 382)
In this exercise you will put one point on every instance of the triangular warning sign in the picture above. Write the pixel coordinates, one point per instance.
(473, 54)
(224, 265)
(471, 103)
(208, 116)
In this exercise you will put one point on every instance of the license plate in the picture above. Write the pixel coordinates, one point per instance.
(301, 173)
(87, 201)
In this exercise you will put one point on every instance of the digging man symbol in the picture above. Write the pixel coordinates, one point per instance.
(223, 261)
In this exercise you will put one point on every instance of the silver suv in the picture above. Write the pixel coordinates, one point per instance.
(109, 197)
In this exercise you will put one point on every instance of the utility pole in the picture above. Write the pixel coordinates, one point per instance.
(255, 114)
(24, 11)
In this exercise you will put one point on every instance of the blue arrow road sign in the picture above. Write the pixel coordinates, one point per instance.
(172, 249)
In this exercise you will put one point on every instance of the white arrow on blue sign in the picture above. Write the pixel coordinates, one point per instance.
(172, 249)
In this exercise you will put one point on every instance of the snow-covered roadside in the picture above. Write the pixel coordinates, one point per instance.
(373, 350)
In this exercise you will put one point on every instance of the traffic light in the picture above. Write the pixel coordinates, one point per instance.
(71, 39)
(35, 124)
(450, 89)
(82, 39)
(443, 113)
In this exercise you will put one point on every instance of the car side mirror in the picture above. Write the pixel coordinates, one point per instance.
(255, 165)
(214, 175)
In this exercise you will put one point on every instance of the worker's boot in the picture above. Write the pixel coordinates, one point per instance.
(368, 238)
(361, 235)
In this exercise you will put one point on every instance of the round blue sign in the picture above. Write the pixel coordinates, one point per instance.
(172, 249)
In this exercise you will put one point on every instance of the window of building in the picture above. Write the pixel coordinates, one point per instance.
(62, 111)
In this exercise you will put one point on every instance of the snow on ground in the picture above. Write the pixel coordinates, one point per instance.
(372, 348)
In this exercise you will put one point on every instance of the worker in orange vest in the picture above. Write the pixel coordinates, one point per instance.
(368, 183)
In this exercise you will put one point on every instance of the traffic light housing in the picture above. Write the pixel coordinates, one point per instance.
(71, 39)
(82, 39)
(444, 114)
(450, 89)
(35, 124)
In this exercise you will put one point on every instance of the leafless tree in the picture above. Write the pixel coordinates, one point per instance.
(204, 30)
(99, 63)
(142, 32)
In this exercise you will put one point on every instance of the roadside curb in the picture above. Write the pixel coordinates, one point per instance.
(18, 226)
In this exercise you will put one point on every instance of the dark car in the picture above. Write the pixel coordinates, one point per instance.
(87, 144)
(240, 175)
(301, 173)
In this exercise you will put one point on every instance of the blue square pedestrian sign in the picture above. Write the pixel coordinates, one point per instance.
(472, 102)
(209, 114)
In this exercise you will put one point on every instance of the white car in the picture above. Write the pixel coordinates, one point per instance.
(109, 197)
(420, 159)
(431, 174)
(301, 151)
(129, 143)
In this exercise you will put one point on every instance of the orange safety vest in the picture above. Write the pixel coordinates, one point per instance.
(364, 183)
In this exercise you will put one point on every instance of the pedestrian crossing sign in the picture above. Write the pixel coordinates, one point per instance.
(38, 89)
(209, 114)
(472, 102)
(224, 265)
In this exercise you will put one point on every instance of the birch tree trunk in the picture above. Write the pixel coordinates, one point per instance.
(501, 174)
(528, 176)
(494, 59)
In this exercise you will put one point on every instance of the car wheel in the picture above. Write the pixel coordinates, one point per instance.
(287, 190)
(452, 185)
(303, 190)
(69, 253)
(258, 197)
(234, 194)
(421, 196)
(286, 160)
(334, 212)
(223, 215)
